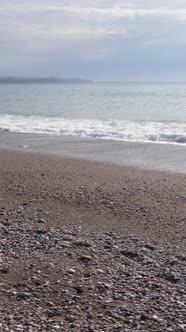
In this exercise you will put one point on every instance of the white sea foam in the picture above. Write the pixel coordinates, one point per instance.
(160, 132)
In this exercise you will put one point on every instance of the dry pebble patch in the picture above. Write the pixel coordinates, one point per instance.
(72, 279)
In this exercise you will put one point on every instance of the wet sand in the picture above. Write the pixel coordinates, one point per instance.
(168, 157)
(89, 246)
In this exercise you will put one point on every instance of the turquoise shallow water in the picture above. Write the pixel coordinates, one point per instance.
(117, 111)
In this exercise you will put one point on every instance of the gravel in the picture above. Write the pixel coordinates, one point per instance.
(69, 279)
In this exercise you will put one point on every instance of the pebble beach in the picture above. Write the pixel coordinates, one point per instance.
(90, 247)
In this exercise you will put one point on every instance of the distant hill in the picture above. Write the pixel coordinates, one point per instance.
(38, 80)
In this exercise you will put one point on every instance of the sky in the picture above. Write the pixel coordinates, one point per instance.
(115, 40)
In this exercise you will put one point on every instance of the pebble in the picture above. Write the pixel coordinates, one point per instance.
(85, 258)
(22, 296)
(4, 269)
(156, 318)
(71, 271)
(88, 287)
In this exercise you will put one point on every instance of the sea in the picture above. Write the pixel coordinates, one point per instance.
(128, 112)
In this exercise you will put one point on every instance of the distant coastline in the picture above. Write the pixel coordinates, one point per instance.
(43, 80)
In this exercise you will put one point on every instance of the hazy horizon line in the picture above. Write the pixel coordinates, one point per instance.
(42, 77)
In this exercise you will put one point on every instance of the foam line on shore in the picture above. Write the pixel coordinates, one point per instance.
(138, 131)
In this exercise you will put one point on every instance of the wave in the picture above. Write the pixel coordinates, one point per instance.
(169, 132)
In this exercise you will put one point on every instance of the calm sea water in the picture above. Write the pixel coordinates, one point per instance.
(118, 111)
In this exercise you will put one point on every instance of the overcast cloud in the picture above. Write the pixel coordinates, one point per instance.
(100, 39)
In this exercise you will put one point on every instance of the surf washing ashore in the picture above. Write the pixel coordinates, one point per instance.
(100, 121)
(117, 130)
(125, 112)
